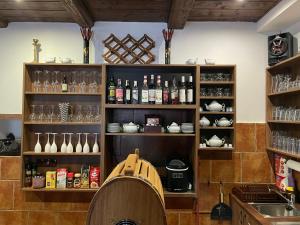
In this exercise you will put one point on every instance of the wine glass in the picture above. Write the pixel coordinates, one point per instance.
(70, 146)
(41, 115)
(96, 146)
(53, 148)
(86, 147)
(63, 147)
(98, 114)
(82, 83)
(37, 83)
(79, 146)
(74, 82)
(56, 83)
(38, 147)
(32, 115)
(46, 83)
(48, 146)
(79, 116)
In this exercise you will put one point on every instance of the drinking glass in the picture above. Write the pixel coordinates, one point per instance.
(82, 82)
(98, 113)
(219, 92)
(46, 83)
(227, 92)
(33, 115)
(203, 92)
(57, 85)
(79, 115)
(41, 115)
(37, 84)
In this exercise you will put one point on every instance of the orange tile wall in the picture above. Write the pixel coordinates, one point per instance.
(249, 164)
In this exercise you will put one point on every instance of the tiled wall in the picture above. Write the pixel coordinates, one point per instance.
(249, 163)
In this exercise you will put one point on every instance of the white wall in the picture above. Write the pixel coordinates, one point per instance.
(227, 43)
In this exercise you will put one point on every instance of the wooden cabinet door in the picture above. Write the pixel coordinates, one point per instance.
(237, 213)
(249, 220)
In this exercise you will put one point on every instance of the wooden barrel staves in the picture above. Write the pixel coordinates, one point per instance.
(131, 195)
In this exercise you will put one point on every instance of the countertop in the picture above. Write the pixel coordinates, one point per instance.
(259, 218)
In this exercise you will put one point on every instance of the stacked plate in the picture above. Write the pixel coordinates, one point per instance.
(113, 128)
(187, 128)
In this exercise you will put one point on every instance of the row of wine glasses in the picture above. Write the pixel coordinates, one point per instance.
(66, 148)
(221, 76)
(76, 113)
(217, 91)
(284, 113)
(285, 141)
(284, 82)
(81, 81)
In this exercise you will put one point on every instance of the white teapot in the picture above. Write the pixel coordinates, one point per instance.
(204, 122)
(224, 122)
(215, 141)
(215, 106)
(130, 127)
(173, 128)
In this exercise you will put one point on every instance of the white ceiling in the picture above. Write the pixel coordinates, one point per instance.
(282, 16)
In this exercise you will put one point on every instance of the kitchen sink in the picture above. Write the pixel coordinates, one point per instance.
(274, 210)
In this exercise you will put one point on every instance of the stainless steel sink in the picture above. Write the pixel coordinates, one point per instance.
(285, 223)
(274, 209)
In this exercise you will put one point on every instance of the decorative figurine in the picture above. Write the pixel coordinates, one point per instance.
(36, 50)
(168, 37)
(86, 33)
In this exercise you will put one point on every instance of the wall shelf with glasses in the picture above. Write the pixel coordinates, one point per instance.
(217, 84)
(283, 108)
(42, 94)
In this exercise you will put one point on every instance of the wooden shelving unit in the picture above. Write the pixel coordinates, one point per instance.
(151, 134)
(72, 161)
(229, 101)
(289, 98)
(10, 116)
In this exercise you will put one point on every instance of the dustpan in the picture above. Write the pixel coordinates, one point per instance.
(221, 211)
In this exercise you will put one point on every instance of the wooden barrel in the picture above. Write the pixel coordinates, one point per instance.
(132, 194)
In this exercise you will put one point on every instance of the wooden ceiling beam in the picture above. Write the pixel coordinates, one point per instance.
(179, 13)
(79, 12)
(3, 24)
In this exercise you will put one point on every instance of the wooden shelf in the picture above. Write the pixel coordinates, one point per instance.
(74, 154)
(216, 149)
(151, 134)
(284, 122)
(285, 63)
(216, 82)
(188, 194)
(148, 106)
(216, 128)
(10, 116)
(63, 124)
(217, 97)
(274, 150)
(217, 113)
(293, 91)
(62, 93)
(60, 190)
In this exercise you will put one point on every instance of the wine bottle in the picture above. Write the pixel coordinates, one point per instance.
(127, 92)
(190, 91)
(135, 93)
(151, 88)
(174, 92)
(119, 93)
(182, 91)
(166, 93)
(145, 92)
(64, 84)
(111, 92)
(158, 91)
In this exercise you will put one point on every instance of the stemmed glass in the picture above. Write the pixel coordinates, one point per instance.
(97, 114)
(70, 146)
(37, 83)
(56, 83)
(79, 116)
(48, 146)
(53, 148)
(74, 82)
(96, 146)
(86, 147)
(33, 116)
(46, 83)
(38, 147)
(41, 115)
(82, 82)
(63, 147)
(79, 146)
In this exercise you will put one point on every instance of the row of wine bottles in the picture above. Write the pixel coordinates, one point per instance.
(151, 93)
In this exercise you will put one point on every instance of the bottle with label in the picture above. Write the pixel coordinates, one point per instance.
(158, 91)
(135, 93)
(151, 88)
(190, 91)
(28, 174)
(64, 84)
(182, 91)
(166, 93)
(174, 92)
(127, 92)
(111, 91)
(145, 92)
(119, 93)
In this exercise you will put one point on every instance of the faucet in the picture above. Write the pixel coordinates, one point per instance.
(290, 202)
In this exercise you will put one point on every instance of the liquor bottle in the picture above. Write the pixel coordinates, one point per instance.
(190, 91)
(64, 84)
(158, 91)
(111, 92)
(174, 92)
(151, 88)
(135, 93)
(119, 93)
(127, 92)
(166, 93)
(182, 91)
(28, 174)
(145, 92)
